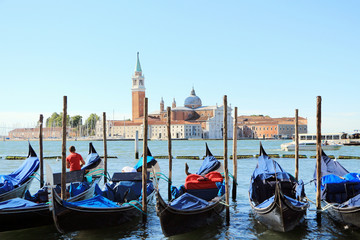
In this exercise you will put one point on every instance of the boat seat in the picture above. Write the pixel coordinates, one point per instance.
(266, 189)
(73, 176)
(341, 192)
(205, 187)
(335, 192)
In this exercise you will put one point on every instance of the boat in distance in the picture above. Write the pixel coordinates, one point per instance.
(276, 197)
(310, 146)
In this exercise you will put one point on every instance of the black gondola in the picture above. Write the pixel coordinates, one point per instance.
(199, 203)
(340, 191)
(276, 198)
(118, 203)
(33, 211)
(16, 183)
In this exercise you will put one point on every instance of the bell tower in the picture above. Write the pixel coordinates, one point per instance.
(138, 92)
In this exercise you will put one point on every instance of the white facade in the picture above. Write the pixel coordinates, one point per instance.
(214, 125)
(155, 131)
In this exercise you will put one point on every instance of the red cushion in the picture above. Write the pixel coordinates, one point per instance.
(194, 181)
(214, 176)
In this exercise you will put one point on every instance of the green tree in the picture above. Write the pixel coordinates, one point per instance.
(90, 124)
(75, 121)
(55, 120)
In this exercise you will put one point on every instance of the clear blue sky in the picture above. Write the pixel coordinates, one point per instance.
(268, 57)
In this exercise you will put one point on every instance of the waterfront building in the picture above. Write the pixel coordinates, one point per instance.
(265, 127)
(33, 133)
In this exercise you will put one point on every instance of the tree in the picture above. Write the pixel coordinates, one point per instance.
(90, 123)
(56, 120)
(75, 121)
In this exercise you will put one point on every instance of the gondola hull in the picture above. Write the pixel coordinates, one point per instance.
(174, 221)
(17, 192)
(346, 215)
(68, 219)
(36, 216)
(281, 215)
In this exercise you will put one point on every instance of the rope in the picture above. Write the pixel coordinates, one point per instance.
(96, 170)
(167, 180)
(232, 176)
(322, 209)
(129, 203)
(309, 182)
(35, 178)
(224, 203)
(310, 200)
(101, 174)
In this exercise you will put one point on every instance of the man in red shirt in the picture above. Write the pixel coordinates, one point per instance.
(74, 161)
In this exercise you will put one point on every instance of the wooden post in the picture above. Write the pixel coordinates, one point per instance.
(296, 144)
(105, 147)
(63, 152)
(169, 150)
(234, 155)
(144, 166)
(226, 163)
(41, 151)
(136, 145)
(318, 153)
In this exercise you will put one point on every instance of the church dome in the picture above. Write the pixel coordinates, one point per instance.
(192, 101)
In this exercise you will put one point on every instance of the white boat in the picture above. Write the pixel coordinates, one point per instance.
(310, 146)
(307, 142)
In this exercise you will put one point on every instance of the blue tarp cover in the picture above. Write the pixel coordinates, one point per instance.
(18, 203)
(92, 161)
(295, 202)
(262, 187)
(188, 202)
(22, 174)
(209, 164)
(329, 166)
(78, 188)
(267, 168)
(5, 184)
(150, 161)
(352, 202)
(95, 202)
(337, 184)
(266, 203)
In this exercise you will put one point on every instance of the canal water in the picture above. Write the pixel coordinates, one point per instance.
(242, 223)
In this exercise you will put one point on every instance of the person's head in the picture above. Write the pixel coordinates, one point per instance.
(72, 149)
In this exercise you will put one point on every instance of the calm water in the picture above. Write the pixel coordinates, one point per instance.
(242, 225)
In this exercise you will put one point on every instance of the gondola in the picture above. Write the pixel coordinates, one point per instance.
(340, 192)
(276, 198)
(197, 204)
(33, 211)
(16, 183)
(119, 202)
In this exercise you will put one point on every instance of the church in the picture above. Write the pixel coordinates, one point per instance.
(191, 121)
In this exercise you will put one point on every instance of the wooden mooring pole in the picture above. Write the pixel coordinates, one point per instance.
(234, 155)
(136, 145)
(226, 162)
(296, 144)
(318, 153)
(105, 147)
(144, 166)
(41, 151)
(63, 151)
(169, 151)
